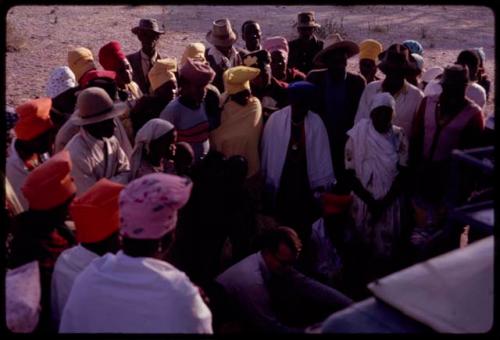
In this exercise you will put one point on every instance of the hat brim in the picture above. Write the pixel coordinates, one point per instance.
(136, 29)
(321, 59)
(310, 24)
(118, 110)
(222, 42)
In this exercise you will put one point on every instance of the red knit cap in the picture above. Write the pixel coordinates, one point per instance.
(50, 184)
(111, 56)
(95, 213)
(34, 119)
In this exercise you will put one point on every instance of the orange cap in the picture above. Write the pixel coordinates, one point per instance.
(335, 204)
(50, 184)
(95, 213)
(34, 118)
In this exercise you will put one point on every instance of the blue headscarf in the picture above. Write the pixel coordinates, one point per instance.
(302, 91)
(414, 46)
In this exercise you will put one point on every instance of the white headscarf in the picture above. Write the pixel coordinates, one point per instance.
(153, 129)
(383, 99)
(60, 80)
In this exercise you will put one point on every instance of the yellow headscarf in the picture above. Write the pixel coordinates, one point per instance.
(80, 60)
(370, 49)
(161, 72)
(238, 78)
(194, 51)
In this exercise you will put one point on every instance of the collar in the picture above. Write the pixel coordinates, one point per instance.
(403, 90)
(146, 57)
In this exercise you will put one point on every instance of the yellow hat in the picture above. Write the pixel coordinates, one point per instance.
(237, 79)
(370, 49)
(80, 60)
(161, 72)
(194, 51)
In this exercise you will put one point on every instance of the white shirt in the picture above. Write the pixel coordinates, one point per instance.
(69, 264)
(408, 101)
(91, 162)
(123, 294)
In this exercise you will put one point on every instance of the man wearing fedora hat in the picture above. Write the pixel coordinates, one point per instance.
(222, 55)
(303, 49)
(95, 151)
(148, 32)
(340, 92)
(396, 64)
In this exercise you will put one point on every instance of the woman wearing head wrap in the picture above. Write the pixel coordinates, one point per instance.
(241, 119)
(278, 47)
(135, 291)
(61, 87)
(376, 155)
(154, 147)
(40, 234)
(369, 50)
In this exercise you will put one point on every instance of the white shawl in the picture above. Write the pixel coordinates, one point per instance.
(375, 158)
(275, 142)
(153, 129)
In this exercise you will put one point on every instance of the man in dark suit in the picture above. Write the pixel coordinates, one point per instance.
(340, 92)
(148, 32)
(303, 49)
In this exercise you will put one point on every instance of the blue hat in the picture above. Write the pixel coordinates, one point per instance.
(302, 91)
(414, 46)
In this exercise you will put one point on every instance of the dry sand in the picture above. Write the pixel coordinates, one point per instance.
(45, 33)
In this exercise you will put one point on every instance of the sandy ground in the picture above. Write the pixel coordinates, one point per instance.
(43, 34)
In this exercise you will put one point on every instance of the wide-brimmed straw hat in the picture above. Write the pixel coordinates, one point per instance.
(222, 33)
(306, 19)
(148, 25)
(94, 105)
(321, 59)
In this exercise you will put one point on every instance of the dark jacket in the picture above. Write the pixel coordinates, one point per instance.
(301, 57)
(135, 61)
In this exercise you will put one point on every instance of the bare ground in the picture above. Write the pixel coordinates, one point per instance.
(41, 35)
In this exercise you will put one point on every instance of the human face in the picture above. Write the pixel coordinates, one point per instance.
(149, 40)
(382, 119)
(282, 259)
(368, 68)
(194, 92)
(44, 143)
(163, 147)
(251, 36)
(124, 73)
(278, 65)
(167, 91)
(337, 62)
(104, 129)
(305, 32)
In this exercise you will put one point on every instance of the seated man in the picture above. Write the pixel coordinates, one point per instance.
(264, 287)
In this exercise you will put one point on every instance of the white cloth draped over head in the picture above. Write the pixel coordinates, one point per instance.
(153, 129)
(375, 158)
(275, 142)
(383, 99)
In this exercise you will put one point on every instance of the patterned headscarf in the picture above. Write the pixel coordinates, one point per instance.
(149, 205)
(60, 80)
(414, 46)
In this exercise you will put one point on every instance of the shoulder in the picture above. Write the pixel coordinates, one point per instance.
(356, 78)
(134, 56)
(243, 273)
(293, 43)
(316, 75)
(415, 91)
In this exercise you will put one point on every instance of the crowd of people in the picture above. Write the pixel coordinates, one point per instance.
(235, 190)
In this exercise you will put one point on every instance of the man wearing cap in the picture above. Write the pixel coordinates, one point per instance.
(251, 35)
(369, 50)
(135, 291)
(339, 93)
(148, 32)
(222, 55)
(444, 122)
(40, 233)
(241, 119)
(95, 215)
(303, 49)
(395, 63)
(113, 59)
(187, 111)
(278, 47)
(163, 89)
(296, 160)
(33, 143)
(376, 158)
(270, 91)
(95, 151)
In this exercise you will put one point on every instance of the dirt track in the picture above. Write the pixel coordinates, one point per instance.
(45, 33)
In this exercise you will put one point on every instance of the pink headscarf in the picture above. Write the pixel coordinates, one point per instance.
(276, 43)
(148, 205)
